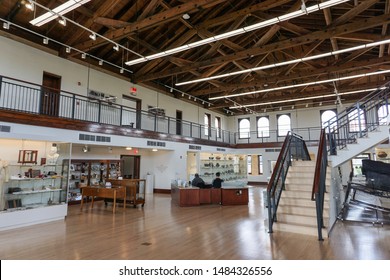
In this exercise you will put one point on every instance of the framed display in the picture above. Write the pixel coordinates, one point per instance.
(28, 156)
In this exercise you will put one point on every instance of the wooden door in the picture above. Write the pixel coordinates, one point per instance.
(50, 95)
(130, 168)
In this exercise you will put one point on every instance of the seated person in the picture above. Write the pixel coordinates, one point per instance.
(197, 181)
(217, 182)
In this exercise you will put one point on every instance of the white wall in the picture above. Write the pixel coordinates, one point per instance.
(28, 64)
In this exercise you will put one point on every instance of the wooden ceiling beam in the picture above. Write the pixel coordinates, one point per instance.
(339, 67)
(329, 32)
(152, 21)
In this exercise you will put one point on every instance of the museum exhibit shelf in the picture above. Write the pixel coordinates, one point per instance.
(84, 172)
(232, 167)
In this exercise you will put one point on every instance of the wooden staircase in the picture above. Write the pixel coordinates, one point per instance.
(297, 212)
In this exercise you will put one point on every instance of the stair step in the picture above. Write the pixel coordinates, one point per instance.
(304, 163)
(288, 194)
(303, 180)
(300, 229)
(299, 210)
(300, 219)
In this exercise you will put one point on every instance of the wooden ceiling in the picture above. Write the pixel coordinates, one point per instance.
(149, 27)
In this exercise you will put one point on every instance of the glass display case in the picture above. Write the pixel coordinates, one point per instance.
(32, 186)
(232, 167)
(33, 182)
(90, 173)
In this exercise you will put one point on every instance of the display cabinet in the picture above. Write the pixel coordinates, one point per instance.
(32, 186)
(90, 173)
(231, 167)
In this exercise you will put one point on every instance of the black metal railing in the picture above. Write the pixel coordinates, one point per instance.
(294, 147)
(21, 96)
(357, 120)
(319, 182)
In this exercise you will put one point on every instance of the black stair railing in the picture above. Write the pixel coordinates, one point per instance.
(294, 147)
(319, 182)
(357, 120)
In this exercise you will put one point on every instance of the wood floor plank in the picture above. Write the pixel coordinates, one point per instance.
(164, 231)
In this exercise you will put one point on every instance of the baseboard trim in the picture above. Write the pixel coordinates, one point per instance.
(162, 191)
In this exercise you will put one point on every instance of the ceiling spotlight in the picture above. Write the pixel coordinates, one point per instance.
(100, 62)
(29, 5)
(67, 50)
(171, 90)
(46, 40)
(186, 16)
(6, 25)
(182, 95)
(62, 21)
(320, 104)
(116, 47)
(307, 105)
(121, 70)
(292, 107)
(280, 108)
(189, 97)
(92, 36)
(83, 55)
(85, 149)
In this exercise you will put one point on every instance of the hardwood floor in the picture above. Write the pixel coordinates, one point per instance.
(164, 231)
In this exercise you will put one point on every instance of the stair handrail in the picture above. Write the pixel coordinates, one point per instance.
(294, 147)
(357, 120)
(319, 182)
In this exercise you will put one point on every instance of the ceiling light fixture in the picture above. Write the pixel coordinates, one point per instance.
(121, 70)
(83, 55)
(302, 85)
(100, 62)
(68, 49)
(46, 40)
(85, 149)
(116, 48)
(29, 5)
(154, 150)
(129, 148)
(246, 29)
(313, 57)
(6, 25)
(186, 16)
(62, 21)
(92, 36)
(56, 12)
(306, 98)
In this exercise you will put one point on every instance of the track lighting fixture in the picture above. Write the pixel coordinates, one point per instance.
(67, 50)
(92, 36)
(100, 62)
(83, 55)
(6, 25)
(29, 5)
(62, 21)
(121, 70)
(116, 47)
(46, 40)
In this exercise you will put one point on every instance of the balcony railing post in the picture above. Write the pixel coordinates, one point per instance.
(120, 115)
(169, 122)
(100, 112)
(73, 106)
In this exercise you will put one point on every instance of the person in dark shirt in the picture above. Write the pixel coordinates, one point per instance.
(217, 182)
(197, 181)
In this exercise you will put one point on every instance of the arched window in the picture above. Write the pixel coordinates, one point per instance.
(383, 112)
(284, 125)
(355, 117)
(244, 128)
(263, 127)
(325, 117)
